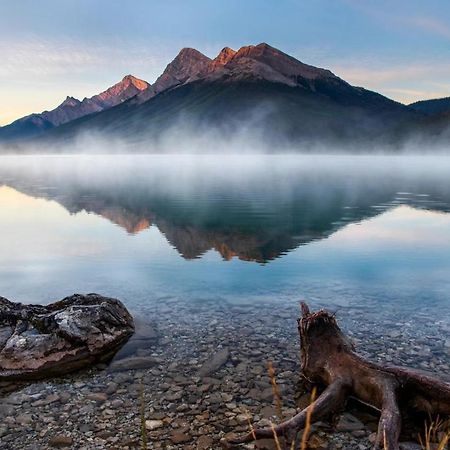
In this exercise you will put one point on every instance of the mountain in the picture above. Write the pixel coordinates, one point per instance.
(72, 108)
(188, 63)
(257, 93)
(250, 62)
(432, 107)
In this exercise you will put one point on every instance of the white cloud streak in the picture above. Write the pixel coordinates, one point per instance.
(34, 56)
(430, 25)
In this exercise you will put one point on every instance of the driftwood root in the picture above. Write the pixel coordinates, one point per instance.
(328, 359)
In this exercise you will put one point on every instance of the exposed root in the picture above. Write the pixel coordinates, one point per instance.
(328, 359)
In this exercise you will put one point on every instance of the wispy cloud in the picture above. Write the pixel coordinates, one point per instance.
(35, 56)
(396, 15)
(429, 24)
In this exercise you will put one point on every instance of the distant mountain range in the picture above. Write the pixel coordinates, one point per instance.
(257, 93)
(72, 108)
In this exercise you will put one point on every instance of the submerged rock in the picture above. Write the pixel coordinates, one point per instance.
(137, 362)
(60, 441)
(38, 341)
(215, 362)
(144, 337)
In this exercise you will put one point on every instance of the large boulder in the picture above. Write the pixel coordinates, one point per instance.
(38, 341)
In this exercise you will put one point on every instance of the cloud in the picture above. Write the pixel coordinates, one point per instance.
(396, 15)
(429, 24)
(40, 57)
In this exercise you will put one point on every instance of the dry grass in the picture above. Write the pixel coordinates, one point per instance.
(275, 436)
(307, 429)
(250, 425)
(278, 403)
(444, 442)
(275, 390)
(436, 431)
(142, 408)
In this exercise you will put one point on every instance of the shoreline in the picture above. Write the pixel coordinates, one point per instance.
(100, 408)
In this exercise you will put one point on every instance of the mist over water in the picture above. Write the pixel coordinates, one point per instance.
(339, 230)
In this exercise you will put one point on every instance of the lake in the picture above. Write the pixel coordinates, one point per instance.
(345, 230)
(218, 251)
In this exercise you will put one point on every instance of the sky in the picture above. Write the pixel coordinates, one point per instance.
(50, 49)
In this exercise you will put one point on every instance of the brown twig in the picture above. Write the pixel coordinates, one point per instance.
(307, 429)
(250, 425)
(275, 390)
(275, 436)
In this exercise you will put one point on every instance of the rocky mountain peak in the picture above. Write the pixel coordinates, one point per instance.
(187, 64)
(225, 56)
(281, 62)
(70, 101)
(128, 87)
(139, 84)
(129, 81)
(188, 61)
(188, 52)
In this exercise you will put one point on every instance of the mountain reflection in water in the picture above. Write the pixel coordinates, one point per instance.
(256, 209)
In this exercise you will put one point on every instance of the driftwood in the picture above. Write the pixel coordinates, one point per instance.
(329, 361)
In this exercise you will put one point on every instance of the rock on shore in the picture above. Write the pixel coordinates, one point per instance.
(38, 341)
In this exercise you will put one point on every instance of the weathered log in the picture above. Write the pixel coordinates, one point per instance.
(37, 341)
(329, 361)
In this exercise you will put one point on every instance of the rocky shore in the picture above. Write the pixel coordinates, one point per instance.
(196, 371)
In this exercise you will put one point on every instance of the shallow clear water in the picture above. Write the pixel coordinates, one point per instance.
(337, 230)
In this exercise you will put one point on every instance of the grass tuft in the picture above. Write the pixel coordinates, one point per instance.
(437, 431)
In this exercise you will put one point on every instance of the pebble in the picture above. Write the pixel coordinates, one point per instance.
(178, 437)
(97, 396)
(214, 362)
(204, 442)
(137, 362)
(347, 422)
(153, 424)
(60, 441)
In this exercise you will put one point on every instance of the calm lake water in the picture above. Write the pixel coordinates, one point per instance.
(337, 230)
(215, 253)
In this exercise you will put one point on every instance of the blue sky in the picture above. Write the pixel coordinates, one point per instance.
(52, 48)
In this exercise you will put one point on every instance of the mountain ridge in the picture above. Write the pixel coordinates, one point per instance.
(72, 108)
(258, 89)
(434, 106)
